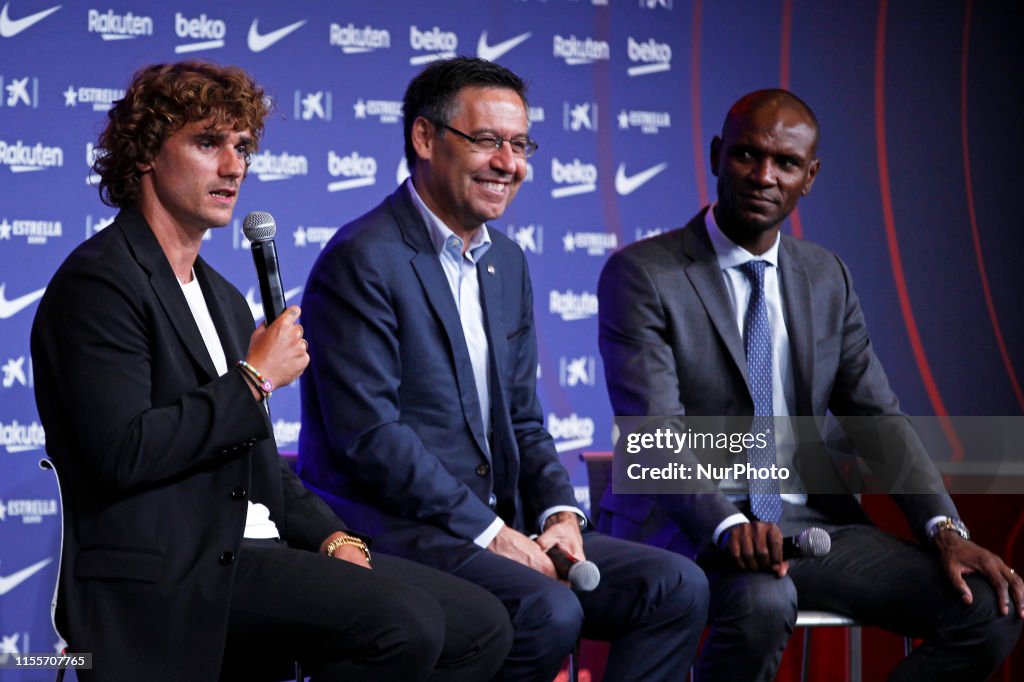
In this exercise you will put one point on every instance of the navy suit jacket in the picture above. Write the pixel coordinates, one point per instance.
(157, 456)
(671, 347)
(392, 435)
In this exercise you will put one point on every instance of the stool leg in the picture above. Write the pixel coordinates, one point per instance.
(805, 657)
(574, 658)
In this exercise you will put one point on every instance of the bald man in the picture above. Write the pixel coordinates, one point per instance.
(727, 317)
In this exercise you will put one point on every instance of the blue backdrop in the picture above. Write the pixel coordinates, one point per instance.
(919, 104)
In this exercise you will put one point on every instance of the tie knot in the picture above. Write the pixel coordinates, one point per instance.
(754, 270)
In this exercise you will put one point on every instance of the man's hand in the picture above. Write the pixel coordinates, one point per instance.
(349, 553)
(279, 351)
(961, 557)
(563, 528)
(757, 546)
(513, 545)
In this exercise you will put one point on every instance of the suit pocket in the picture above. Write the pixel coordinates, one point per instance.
(121, 564)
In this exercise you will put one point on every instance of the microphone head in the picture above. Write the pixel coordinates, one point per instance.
(584, 576)
(814, 542)
(259, 226)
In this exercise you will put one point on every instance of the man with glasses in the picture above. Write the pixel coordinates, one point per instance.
(420, 417)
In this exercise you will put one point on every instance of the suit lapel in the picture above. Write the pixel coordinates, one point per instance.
(438, 292)
(706, 276)
(796, 305)
(165, 286)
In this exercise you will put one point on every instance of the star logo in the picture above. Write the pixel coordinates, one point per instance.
(71, 97)
(360, 107)
(569, 243)
(5, 229)
(300, 237)
(623, 120)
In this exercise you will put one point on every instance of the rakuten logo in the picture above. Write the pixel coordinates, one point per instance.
(112, 26)
(654, 57)
(361, 171)
(210, 32)
(578, 178)
(571, 306)
(437, 43)
(18, 437)
(22, 158)
(575, 51)
(267, 166)
(354, 40)
(571, 433)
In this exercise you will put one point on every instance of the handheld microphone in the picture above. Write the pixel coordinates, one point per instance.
(582, 576)
(259, 228)
(811, 543)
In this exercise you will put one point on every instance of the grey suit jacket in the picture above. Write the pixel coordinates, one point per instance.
(671, 346)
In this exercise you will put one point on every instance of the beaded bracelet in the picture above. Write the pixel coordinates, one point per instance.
(265, 385)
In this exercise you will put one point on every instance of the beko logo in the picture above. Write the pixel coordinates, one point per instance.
(361, 171)
(654, 57)
(209, 32)
(437, 43)
(112, 26)
(578, 178)
(572, 432)
(21, 158)
(267, 166)
(586, 51)
(354, 40)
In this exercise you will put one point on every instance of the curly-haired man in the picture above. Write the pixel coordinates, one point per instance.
(191, 550)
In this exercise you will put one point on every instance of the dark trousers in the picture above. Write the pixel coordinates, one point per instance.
(650, 604)
(399, 621)
(871, 576)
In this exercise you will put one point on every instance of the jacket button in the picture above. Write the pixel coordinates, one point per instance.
(483, 470)
(239, 493)
(227, 558)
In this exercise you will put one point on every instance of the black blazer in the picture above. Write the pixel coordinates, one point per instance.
(157, 456)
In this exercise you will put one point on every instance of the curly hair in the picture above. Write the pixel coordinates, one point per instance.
(162, 99)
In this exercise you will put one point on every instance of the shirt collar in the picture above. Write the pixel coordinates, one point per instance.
(729, 253)
(441, 234)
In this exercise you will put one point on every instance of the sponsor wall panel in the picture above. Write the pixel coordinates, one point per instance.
(625, 97)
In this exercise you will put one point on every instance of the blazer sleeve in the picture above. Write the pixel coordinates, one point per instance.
(543, 480)
(94, 338)
(350, 317)
(635, 339)
(869, 411)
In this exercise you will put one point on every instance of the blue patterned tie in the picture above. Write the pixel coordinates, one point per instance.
(765, 502)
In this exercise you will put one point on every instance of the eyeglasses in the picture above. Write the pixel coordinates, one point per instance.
(522, 147)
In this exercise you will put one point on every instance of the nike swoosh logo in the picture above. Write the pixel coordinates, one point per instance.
(12, 27)
(627, 184)
(257, 308)
(258, 43)
(11, 308)
(9, 582)
(492, 52)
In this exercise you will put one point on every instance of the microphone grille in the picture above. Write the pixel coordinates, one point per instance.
(259, 226)
(815, 542)
(584, 576)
